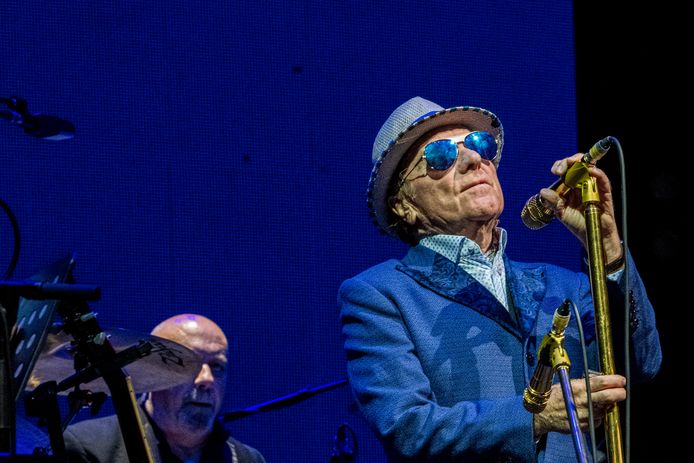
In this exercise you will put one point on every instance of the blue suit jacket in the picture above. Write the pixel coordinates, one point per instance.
(438, 365)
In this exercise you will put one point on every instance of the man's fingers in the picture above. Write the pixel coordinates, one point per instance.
(602, 382)
(608, 397)
(561, 166)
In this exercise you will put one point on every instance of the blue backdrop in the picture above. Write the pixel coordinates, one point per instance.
(222, 155)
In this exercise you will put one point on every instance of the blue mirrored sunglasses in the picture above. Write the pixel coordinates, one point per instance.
(441, 154)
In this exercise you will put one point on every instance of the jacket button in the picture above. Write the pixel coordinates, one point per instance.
(530, 358)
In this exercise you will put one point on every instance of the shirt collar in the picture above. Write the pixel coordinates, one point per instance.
(458, 248)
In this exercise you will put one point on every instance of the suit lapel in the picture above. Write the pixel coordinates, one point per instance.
(448, 279)
(527, 288)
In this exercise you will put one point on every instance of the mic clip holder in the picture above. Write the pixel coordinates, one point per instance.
(551, 356)
(553, 359)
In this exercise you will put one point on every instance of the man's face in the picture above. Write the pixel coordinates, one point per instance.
(192, 407)
(459, 198)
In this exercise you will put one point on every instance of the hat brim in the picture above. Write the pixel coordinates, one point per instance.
(469, 116)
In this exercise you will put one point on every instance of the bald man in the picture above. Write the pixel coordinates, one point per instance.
(180, 423)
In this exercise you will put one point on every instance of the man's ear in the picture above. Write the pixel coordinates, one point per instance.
(404, 209)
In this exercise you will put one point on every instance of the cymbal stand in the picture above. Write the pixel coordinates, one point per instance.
(93, 343)
(87, 373)
(42, 402)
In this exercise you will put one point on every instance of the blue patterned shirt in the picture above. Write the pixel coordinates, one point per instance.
(487, 268)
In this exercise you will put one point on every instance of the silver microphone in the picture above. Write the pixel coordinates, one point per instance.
(535, 214)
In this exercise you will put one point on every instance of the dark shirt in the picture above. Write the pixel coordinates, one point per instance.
(100, 441)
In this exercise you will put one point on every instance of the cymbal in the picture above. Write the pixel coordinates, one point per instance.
(168, 363)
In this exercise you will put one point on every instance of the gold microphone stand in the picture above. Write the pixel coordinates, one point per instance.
(591, 198)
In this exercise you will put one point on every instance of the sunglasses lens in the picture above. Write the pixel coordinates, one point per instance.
(441, 154)
(482, 142)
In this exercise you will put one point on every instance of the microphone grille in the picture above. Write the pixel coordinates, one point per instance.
(535, 214)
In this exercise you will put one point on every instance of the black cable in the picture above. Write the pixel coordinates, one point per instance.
(17, 240)
(584, 355)
(627, 334)
(6, 391)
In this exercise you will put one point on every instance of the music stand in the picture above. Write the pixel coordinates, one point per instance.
(33, 318)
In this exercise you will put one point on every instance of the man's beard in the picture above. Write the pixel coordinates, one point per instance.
(196, 417)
